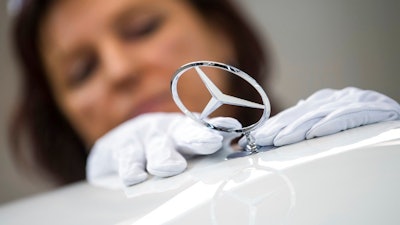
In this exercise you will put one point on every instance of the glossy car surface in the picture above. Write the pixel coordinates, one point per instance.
(348, 178)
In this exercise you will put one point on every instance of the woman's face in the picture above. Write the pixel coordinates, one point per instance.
(109, 61)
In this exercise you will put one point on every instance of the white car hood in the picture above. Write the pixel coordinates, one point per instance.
(348, 178)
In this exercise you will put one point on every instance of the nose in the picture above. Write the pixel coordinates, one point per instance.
(120, 70)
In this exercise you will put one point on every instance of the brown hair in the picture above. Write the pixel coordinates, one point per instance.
(54, 146)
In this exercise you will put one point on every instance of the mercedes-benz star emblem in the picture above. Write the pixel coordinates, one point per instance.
(218, 98)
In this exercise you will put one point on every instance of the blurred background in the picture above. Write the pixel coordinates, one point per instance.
(315, 44)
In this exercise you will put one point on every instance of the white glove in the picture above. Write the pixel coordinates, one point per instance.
(152, 143)
(326, 112)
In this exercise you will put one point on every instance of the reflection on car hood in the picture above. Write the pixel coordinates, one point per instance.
(348, 178)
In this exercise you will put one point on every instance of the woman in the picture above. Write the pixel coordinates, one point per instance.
(89, 67)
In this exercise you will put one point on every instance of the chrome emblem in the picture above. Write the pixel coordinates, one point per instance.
(218, 98)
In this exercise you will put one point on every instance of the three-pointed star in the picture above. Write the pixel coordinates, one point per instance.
(218, 98)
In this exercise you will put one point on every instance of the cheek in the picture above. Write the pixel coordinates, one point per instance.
(87, 112)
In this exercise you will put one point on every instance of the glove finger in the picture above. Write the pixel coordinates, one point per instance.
(227, 123)
(357, 114)
(297, 130)
(266, 134)
(162, 158)
(192, 138)
(352, 94)
(131, 162)
(294, 133)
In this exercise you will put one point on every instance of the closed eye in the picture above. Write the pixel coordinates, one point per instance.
(141, 29)
(82, 69)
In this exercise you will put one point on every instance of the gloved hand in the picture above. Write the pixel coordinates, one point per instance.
(152, 143)
(326, 112)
